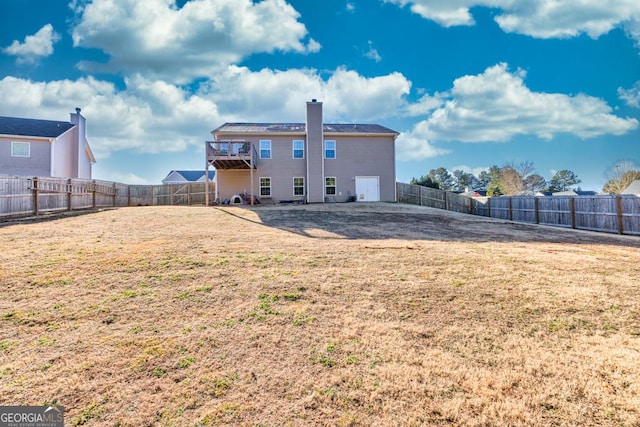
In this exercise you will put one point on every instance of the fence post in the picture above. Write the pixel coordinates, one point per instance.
(35, 195)
(420, 195)
(69, 194)
(470, 206)
(620, 215)
(489, 207)
(510, 209)
(446, 201)
(93, 191)
(115, 194)
(536, 209)
(572, 211)
(128, 195)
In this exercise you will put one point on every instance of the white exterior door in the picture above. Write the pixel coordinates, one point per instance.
(368, 188)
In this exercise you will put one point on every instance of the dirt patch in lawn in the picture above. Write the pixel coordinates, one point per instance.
(351, 314)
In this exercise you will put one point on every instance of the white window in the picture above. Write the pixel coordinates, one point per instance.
(265, 149)
(298, 186)
(298, 149)
(329, 149)
(330, 186)
(265, 187)
(20, 149)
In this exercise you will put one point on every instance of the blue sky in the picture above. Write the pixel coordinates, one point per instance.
(467, 83)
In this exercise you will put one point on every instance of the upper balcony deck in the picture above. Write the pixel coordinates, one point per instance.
(231, 154)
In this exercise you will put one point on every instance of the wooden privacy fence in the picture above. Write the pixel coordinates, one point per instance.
(21, 196)
(608, 213)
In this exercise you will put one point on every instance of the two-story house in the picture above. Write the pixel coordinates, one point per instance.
(45, 148)
(312, 162)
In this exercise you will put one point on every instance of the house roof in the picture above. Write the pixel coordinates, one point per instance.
(633, 188)
(575, 193)
(33, 127)
(300, 128)
(192, 176)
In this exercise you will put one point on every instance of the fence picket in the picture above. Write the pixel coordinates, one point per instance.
(611, 214)
(21, 196)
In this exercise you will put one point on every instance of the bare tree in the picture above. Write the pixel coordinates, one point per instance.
(620, 175)
(511, 182)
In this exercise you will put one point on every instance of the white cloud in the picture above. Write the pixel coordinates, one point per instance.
(353, 97)
(138, 119)
(35, 46)
(541, 19)
(164, 42)
(372, 53)
(350, 7)
(631, 96)
(410, 146)
(468, 169)
(425, 105)
(127, 177)
(497, 106)
(154, 116)
(271, 95)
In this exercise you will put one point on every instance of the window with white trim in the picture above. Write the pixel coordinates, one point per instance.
(265, 149)
(298, 149)
(329, 149)
(330, 185)
(20, 149)
(298, 186)
(265, 187)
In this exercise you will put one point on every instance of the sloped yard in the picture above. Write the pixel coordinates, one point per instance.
(353, 314)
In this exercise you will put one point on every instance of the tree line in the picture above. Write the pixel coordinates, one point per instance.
(521, 179)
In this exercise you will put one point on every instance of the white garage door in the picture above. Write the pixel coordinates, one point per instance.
(368, 188)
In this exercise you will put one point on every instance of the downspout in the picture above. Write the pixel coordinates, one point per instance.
(52, 152)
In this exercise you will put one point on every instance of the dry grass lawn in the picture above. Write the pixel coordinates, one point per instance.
(354, 314)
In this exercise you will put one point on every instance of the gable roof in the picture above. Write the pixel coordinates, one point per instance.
(191, 176)
(33, 127)
(300, 128)
(633, 188)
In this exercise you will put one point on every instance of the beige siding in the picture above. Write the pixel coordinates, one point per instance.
(232, 182)
(37, 164)
(355, 156)
(362, 156)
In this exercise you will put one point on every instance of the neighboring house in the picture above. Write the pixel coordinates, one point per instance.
(312, 162)
(575, 193)
(182, 177)
(474, 193)
(633, 188)
(45, 148)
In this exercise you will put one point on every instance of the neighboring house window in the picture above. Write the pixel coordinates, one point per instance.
(265, 149)
(20, 149)
(330, 186)
(298, 149)
(265, 187)
(329, 149)
(298, 186)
